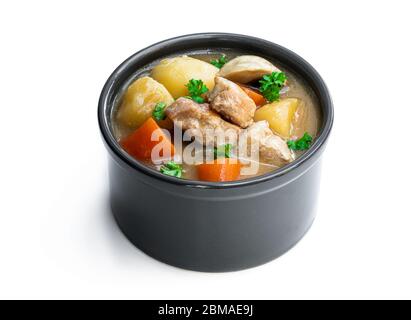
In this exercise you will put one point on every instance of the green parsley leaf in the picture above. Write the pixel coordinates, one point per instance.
(271, 84)
(223, 151)
(301, 144)
(196, 89)
(172, 169)
(158, 112)
(219, 62)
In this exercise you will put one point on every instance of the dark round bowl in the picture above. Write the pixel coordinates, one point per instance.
(208, 226)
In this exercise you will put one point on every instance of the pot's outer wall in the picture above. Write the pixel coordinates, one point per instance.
(213, 227)
(223, 230)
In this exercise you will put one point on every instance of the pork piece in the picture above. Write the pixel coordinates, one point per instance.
(229, 100)
(199, 119)
(272, 148)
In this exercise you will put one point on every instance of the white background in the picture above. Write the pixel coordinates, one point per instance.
(57, 237)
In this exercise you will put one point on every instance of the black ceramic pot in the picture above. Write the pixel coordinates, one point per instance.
(208, 226)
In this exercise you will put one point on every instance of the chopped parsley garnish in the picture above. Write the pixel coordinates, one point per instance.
(271, 84)
(301, 144)
(172, 169)
(223, 151)
(219, 62)
(196, 88)
(158, 112)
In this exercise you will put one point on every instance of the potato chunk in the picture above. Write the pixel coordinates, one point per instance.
(279, 114)
(244, 69)
(175, 73)
(139, 101)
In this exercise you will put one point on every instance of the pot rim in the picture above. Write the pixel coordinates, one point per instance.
(113, 145)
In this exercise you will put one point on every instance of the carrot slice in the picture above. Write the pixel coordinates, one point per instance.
(219, 170)
(140, 143)
(167, 123)
(254, 95)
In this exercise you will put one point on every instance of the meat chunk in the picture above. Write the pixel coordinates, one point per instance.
(272, 148)
(204, 122)
(244, 69)
(229, 100)
(200, 119)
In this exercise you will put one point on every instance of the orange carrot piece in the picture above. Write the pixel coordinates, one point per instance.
(140, 145)
(219, 170)
(254, 95)
(167, 123)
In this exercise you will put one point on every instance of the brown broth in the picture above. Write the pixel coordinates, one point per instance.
(307, 117)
